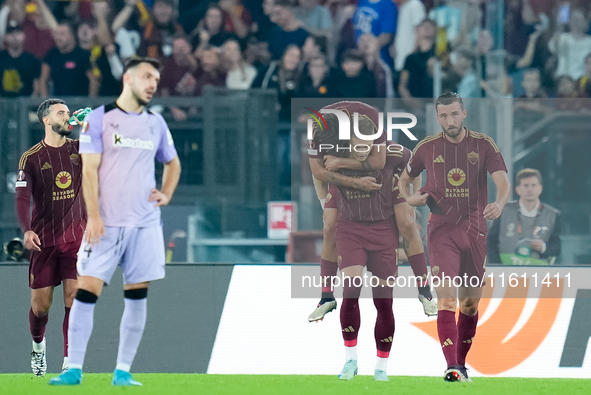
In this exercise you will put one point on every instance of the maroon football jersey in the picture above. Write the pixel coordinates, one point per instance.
(54, 177)
(456, 177)
(349, 107)
(356, 205)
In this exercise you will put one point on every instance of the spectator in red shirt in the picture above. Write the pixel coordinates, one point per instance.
(237, 18)
(178, 73)
(211, 72)
(179, 76)
(38, 37)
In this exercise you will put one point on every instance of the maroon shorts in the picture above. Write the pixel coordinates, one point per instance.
(50, 266)
(331, 197)
(371, 244)
(453, 252)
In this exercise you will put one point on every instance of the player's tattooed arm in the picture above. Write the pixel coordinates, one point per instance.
(366, 184)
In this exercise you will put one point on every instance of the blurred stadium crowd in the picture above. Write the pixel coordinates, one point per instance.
(536, 53)
(305, 48)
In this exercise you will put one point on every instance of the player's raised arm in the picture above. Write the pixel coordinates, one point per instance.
(170, 180)
(493, 210)
(366, 184)
(94, 226)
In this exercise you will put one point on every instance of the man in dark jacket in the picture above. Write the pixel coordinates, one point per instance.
(527, 232)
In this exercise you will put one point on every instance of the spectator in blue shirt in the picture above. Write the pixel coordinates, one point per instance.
(377, 17)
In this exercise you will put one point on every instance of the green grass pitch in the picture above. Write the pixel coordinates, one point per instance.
(165, 383)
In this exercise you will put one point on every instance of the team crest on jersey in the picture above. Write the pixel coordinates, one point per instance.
(328, 197)
(473, 157)
(435, 270)
(75, 158)
(339, 260)
(63, 179)
(21, 175)
(456, 177)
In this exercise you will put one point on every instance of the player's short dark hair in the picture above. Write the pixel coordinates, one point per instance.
(135, 61)
(448, 98)
(365, 124)
(329, 133)
(527, 173)
(45, 108)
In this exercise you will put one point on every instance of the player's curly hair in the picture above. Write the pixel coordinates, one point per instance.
(45, 108)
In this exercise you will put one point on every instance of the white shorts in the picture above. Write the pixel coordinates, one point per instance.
(139, 252)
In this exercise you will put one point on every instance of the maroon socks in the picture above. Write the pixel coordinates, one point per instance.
(384, 329)
(466, 332)
(448, 336)
(37, 326)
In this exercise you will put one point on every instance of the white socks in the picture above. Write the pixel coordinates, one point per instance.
(382, 364)
(81, 323)
(39, 347)
(131, 331)
(351, 353)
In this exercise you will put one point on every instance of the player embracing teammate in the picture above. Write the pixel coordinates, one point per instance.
(329, 170)
(370, 214)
